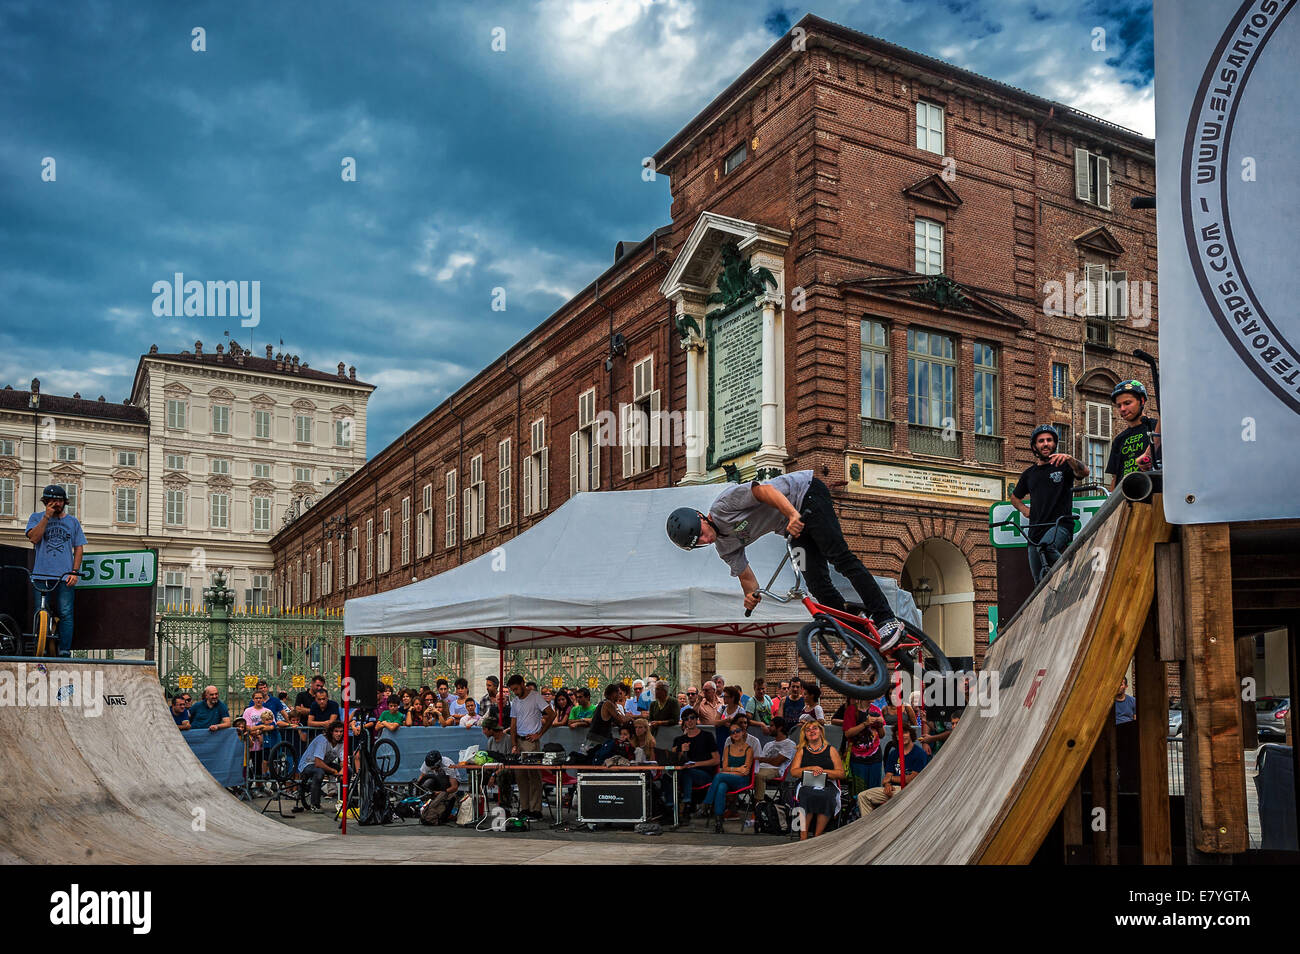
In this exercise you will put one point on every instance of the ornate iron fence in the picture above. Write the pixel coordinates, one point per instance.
(595, 666)
(200, 646)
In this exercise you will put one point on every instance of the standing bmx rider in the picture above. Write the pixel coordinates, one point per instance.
(59, 542)
(1049, 485)
(1137, 447)
(742, 513)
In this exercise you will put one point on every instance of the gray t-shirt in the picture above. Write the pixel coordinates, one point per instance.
(742, 519)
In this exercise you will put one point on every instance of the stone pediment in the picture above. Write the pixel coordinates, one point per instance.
(938, 292)
(175, 388)
(262, 487)
(220, 482)
(695, 269)
(125, 475)
(221, 394)
(935, 190)
(1101, 241)
(66, 471)
(262, 401)
(341, 410)
(175, 481)
(302, 404)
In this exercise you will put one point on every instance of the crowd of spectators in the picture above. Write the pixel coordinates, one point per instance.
(729, 739)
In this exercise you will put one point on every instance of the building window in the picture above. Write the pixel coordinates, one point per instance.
(733, 161)
(262, 513)
(424, 524)
(71, 491)
(537, 471)
(261, 471)
(931, 376)
(475, 498)
(175, 508)
(929, 127)
(174, 593)
(1060, 381)
(1096, 444)
(875, 370)
(986, 389)
(584, 447)
(220, 419)
(1092, 178)
(406, 530)
(219, 505)
(6, 448)
(370, 548)
(262, 424)
(1063, 444)
(640, 422)
(259, 594)
(302, 475)
(386, 541)
(503, 483)
(929, 247)
(449, 504)
(6, 496)
(306, 581)
(175, 461)
(177, 414)
(219, 465)
(302, 428)
(126, 505)
(1106, 301)
(66, 452)
(353, 553)
(343, 432)
(126, 459)
(327, 570)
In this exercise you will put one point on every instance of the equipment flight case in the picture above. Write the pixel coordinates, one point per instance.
(612, 797)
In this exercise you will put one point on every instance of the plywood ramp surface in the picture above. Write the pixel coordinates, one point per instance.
(124, 787)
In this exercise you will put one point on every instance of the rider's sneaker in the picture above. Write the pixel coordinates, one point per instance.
(890, 633)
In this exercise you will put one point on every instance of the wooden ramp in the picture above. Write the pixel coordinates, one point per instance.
(123, 786)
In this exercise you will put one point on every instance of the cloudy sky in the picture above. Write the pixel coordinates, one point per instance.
(475, 169)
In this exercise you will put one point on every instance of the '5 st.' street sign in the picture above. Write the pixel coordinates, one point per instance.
(119, 568)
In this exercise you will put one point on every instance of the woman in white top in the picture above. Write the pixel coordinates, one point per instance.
(812, 712)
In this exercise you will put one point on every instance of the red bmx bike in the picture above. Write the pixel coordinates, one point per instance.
(842, 649)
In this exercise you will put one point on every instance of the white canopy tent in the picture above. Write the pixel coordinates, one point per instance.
(600, 568)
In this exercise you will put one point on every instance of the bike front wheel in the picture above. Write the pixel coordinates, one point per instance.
(42, 631)
(387, 757)
(856, 669)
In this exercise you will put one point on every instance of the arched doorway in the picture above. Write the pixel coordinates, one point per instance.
(938, 576)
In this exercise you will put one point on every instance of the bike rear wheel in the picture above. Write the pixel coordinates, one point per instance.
(858, 672)
(11, 636)
(387, 757)
(42, 631)
(935, 660)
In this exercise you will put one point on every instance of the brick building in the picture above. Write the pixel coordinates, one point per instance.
(910, 266)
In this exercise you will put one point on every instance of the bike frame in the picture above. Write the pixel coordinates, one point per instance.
(850, 628)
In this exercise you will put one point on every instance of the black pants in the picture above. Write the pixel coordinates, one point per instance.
(822, 542)
(312, 777)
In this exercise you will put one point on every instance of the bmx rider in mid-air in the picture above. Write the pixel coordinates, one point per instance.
(800, 505)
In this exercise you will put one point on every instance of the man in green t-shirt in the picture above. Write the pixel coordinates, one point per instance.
(759, 705)
(664, 710)
(391, 717)
(583, 709)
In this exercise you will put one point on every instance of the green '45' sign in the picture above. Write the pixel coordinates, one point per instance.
(118, 569)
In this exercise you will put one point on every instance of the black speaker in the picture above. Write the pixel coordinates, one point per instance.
(364, 671)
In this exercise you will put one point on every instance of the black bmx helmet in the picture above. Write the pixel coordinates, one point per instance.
(1134, 388)
(684, 525)
(433, 761)
(1044, 429)
(54, 492)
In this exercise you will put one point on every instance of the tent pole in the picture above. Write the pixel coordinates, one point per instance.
(347, 730)
(501, 676)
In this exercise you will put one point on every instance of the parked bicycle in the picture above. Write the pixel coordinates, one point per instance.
(843, 649)
(13, 642)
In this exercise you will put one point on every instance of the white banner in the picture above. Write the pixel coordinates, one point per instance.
(1228, 197)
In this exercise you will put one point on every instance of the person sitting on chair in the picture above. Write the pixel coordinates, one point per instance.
(913, 760)
(818, 766)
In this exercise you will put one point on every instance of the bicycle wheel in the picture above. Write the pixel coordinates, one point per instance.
(387, 757)
(42, 631)
(281, 763)
(856, 673)
(935, 660)
(11, 637)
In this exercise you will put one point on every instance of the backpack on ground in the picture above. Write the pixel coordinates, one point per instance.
(437, 809)
(771, 818)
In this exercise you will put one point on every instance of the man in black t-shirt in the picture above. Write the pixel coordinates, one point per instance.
(697, 751)
(1137, 447)
(1048, 484)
